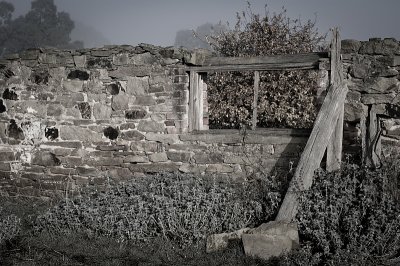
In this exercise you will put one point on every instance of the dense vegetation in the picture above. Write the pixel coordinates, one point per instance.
(286, 98)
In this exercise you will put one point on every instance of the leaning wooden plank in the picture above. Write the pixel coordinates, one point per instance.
(193, 87)
(314, 151)
(334, 150)
(271, 59)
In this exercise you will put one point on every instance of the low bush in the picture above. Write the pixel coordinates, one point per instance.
(352, 217)
(177, 207)
(10, 226)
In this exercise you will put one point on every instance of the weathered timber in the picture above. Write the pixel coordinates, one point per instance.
(314, 151)
(195, 116)
(261, 63)
(334, 150)
(255, 100)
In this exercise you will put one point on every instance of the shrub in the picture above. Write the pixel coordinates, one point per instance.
(286, 98)
(10, 226)
(352, 217)
(181, 208)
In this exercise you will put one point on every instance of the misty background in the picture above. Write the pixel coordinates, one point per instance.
(167, 23)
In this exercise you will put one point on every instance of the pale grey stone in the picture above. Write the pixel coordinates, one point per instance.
(219, 242)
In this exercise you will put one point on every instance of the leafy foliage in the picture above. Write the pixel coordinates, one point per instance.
(181, 208)
(41, 26)
(287, 98)
(352, 217)
(10, 226)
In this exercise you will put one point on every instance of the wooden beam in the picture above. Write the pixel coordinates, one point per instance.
(334, 149)
(255, 100)
(261, 63)
(195, 116)
(314, 151)
(271, 59)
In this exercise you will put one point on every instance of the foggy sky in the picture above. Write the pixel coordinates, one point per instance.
(157, 21)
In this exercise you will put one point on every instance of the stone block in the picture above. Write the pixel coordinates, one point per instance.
(79, 133)
(80, 61)
(64, 144)
(55, 110)
(154, 168)
(193, 168)
(87, 171)
(127, 72)
(158, 157)
(350, 46)
(45, 158)
(121, 59)
(120, 102)
(94, 86)
(112, 147)
(378, 98)
(101, 111)
(137, 86)
(205, 158)
(7, 156)
(62, 171)
(101, 53)
(127, 126)
(146, 146)
(271, 240)
(120, 173)
(132, 135)
(145, 100)
(219, 168)
(135, 159)
(179, 156)
(163, 138)
(151, 126)
(74, 85)
(219, 242)
(353, 112)
(70, 100)
(143, 59)
(135, 114)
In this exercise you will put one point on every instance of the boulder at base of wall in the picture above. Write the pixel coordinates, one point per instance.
(271, 239)
(45, 158)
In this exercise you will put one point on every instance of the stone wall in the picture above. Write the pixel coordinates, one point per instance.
(93, 116)
(372, 109)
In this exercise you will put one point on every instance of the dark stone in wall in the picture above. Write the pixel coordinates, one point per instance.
(111, 133)
(135, 114)
(2, 107)
(99, 63)
(85, 110)
(393, 110)
(7, 73)
(78, 74)
(40, 76)
(51, 133)
(113, 89)
(10, 95)
(14, 131)
(45, 158)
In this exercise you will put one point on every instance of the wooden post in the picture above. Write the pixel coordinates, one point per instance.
(255, 100)
(324, 127)
(334, 150)
(195, 116)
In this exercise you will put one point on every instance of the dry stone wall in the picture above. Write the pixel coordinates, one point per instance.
(94, 116)
(372, 108)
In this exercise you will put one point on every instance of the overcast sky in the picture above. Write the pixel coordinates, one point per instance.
(157, 21)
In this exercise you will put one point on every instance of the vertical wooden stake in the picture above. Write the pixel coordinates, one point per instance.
(195, 116)
(255, 101)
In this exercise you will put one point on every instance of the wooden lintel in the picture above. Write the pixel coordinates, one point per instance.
(261, 63)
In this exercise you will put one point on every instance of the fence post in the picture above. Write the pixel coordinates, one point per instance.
(195, 115)
(334, 150)
(255, 100)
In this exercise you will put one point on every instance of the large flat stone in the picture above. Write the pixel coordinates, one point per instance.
(79, 133)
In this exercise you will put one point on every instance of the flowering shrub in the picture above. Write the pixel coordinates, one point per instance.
(286, 98)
